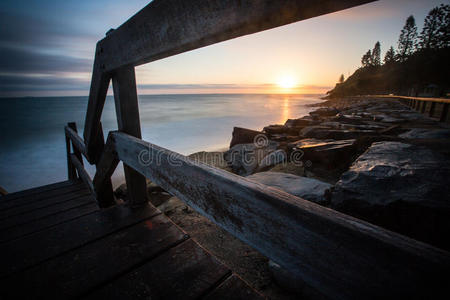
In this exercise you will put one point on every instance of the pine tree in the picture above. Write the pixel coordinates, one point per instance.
(407, 39)
(376, 53)
(366, 60)
(429, 37)
(390, 56)
(444, 27)
(341, 78)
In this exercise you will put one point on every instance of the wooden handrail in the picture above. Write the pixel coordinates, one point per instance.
(82, 172)
(426, 99)
(343, 257)
(77, 141)
(103, 192)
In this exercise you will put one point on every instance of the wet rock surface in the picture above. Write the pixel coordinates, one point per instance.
(399, 186)
(303, 187)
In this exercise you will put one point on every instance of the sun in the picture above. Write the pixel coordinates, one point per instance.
(287, 82)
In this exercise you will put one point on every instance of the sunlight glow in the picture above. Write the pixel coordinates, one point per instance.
(287, 82)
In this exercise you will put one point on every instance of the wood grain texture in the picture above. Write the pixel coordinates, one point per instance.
(97, 95)
(77, 141)
(127, 111)
(37, 214)
(77, 272)
(39, 195)
(22, 230)
(184, 272)
(339, 255)
(168, 27)
(82, 173)
(16, 255)
(37, 190)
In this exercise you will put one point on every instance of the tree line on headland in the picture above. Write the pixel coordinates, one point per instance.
(419, 66)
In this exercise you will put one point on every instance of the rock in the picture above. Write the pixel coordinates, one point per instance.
(298, 123)
(290, 168)
(213, 158)
(325, 132)
(271, 160)
(401, 187)
(281, 129)
(243, 136)
(306, 188)
(324, 112)
(310, 131)
(425, 133)
(244, 159)
(330, 154)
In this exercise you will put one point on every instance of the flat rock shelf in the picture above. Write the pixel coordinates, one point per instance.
(57, 244)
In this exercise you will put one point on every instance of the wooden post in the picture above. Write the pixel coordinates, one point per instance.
(97, 96)
(105, 194)
(424, 106)
(71, 172)
(73, 126)
(444, 113)
(433, 104)
(127, 110)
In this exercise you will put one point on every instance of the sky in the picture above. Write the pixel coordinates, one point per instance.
(47, 49)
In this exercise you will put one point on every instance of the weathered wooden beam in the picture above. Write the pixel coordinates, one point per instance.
(343, 257)
(71, 171)
(77, 141)
(97, 96)
(105, 168)
(168, 27)
(127, 111)
(105, 194)
(82, 172)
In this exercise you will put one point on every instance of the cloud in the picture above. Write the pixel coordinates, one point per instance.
(22, 61)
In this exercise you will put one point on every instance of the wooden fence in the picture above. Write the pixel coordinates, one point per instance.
(421, 104)
(340, 256)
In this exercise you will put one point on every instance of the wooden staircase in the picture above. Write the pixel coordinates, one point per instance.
(56, 244)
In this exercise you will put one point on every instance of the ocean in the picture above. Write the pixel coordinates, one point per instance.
(32, 144)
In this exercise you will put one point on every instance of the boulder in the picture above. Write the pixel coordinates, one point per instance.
(426, 133)
(325, 132)
(281, 129)
(298, 123)
(244, 159)
(271, 160)
(324, 112)
(329, 153)
(303, 187)
(402, 187)
(243, 136)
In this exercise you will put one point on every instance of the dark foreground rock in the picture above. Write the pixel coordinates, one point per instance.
(401, 187)
(243, 136)
(306, 188)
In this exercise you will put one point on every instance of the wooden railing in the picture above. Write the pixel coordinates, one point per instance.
(342, 257)
(76, 149)
(421, 103)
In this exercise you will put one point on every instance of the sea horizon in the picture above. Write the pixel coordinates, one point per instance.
(33, 146)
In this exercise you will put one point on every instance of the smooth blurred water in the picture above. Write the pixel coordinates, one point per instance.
(32, 145)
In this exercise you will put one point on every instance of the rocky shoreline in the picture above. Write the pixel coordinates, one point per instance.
(375, 159)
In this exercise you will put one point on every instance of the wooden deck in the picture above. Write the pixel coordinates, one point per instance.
(56, 244)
